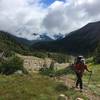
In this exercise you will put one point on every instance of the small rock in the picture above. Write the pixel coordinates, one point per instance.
(98, 85)
(79, 99)
(19, 72)
(62, 97)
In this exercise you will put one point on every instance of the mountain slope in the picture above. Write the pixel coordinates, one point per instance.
(82, 41)
(10, 42)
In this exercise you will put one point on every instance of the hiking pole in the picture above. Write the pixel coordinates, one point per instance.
(89, 78)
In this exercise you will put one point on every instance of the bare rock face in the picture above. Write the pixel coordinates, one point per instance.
(62, 97)
(33, 64)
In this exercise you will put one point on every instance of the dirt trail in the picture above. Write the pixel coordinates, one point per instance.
(87, 92)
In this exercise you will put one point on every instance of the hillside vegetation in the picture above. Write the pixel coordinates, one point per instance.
(8, 43)
(97, 54)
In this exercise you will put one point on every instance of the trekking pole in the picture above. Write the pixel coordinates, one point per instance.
(89, 78)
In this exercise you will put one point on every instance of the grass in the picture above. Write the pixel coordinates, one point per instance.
(94, 83)
(57, 72)
(26, 87)
(33, 87)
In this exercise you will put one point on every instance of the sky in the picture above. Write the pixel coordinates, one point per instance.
(25, 17)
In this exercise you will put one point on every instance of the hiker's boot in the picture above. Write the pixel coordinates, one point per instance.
(76, 88)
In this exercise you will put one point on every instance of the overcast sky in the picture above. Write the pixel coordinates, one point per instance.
(25, 17)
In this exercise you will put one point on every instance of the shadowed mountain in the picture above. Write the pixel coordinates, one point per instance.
(82, 41)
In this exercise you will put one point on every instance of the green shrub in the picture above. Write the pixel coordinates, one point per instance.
(12, 65)
(39, 54)
(97, 54)
(47, 71)
(60, 58)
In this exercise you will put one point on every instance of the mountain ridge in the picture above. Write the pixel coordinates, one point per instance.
(81, 41)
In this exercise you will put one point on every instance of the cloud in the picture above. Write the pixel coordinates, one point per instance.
(71, 15)
(21, 16)
(25, 17)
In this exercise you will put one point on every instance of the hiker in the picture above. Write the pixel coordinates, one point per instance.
(79, 68)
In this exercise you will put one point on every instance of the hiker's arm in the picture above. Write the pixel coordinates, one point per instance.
(87, 69)
(74, 68)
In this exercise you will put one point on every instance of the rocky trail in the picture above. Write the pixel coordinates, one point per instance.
(86, 91)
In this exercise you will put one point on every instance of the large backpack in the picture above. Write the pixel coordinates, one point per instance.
(79, 64)
(79, 59)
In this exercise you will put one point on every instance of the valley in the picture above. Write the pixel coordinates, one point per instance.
(41, 70)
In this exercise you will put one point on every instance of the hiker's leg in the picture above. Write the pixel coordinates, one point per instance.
(77, 82)
(80, 81)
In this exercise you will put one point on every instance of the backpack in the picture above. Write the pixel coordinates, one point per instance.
(79, 64)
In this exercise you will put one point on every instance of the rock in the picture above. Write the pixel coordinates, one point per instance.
(79, 99)
(98, 85)
(19, 72)
(62, 97)
(32, 63)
